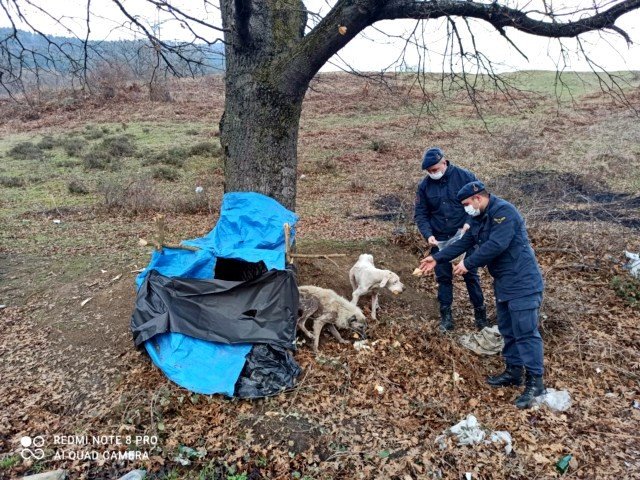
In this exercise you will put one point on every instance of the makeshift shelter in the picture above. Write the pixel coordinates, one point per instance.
(222, 318)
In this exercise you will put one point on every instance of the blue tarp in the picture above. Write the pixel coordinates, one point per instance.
(250, 228)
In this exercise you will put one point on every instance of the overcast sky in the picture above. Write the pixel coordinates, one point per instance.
(373, 50)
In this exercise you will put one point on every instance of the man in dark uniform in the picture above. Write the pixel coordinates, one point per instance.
(439, 215)
(499, 231)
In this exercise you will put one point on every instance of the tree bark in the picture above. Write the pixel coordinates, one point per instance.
(259, 128)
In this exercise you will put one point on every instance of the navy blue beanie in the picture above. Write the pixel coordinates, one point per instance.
(431, 157)
(470, 189)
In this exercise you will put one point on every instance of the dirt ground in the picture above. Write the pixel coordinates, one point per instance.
(69, 366)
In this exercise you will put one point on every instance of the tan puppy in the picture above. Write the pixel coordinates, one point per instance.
(331, 309)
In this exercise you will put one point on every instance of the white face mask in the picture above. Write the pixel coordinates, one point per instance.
(435, 176)
(471, 210)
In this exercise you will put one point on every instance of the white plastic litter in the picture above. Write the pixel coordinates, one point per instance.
(135, 475)
(361, 345)
(634, 264)
(470, 432)
(199, 189)
(636, 404)
(445, 243)
(558, 400)
(56, 221)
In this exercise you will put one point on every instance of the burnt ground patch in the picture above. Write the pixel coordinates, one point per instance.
(558, 196)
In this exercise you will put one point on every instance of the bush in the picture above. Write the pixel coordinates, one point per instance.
(77, 187)
(26, 151)
(192, 131)
(166, 173)
(119, 146)
(92, 134)
(12, 182)
(47, 143)
(73, 146)
(100, 160)
(174, 156)
(380, 146)
(628, 289)
(137, 197)
(204, 149)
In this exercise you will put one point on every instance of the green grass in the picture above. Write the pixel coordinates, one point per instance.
(35, 170)
(9, 462)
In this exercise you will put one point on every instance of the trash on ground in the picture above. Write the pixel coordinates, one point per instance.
(470, 432)
(636, 404)
(134, 475)
(199, 189)
(379, 389)
(634, 264)
(186, 454)
(52, 475)
(85, 301)
(558, 400)
(57, 221)
(563, 464)
(488, 341)
(360, 345)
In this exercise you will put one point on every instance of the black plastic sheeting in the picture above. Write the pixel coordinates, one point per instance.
(262, 310)
(269, 370)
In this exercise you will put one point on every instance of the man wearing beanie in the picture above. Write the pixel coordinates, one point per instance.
(439, 215)
(499, 231)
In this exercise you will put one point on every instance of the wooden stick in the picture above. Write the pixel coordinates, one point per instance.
(287, 243)
(319, 255)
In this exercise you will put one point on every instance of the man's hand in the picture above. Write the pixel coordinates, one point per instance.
(432, 241)
(460, 269)
(427, 264)
(465, 227)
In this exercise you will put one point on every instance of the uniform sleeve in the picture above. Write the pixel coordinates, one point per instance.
(455, 249)
(422, 216)
(503, 229)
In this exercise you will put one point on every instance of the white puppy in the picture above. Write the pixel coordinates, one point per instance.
(366, 278)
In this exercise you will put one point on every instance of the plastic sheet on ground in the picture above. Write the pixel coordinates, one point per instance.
(470, 432)
(488, 341)
(557, 400)
(634, 264)
(200, 331)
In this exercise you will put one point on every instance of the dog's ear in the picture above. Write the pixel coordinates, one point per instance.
(385, 280)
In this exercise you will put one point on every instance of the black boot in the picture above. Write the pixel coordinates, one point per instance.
(446, 319)
(533, 387)
(480, 314)
(512, 375)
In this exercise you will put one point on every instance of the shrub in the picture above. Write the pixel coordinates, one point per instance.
(100, 160)
(47, 143)
(192, 131)
(628, 289)
(119, 146)
(12, 182)
(93, 134)
(26, 151)
(205, 148)
(166, 173)
(77, 187)
(137, 197)
(73, 146)
(174, 156)
(379, 146)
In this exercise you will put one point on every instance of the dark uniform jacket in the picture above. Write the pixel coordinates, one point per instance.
(438, 212)
(503, 246)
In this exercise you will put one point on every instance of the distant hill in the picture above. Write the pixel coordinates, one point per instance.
(64, 56)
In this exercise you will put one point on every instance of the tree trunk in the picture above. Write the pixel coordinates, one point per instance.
(259, 137)
(259, 127)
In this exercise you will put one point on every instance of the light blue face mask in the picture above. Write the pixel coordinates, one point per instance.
(471, 210)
